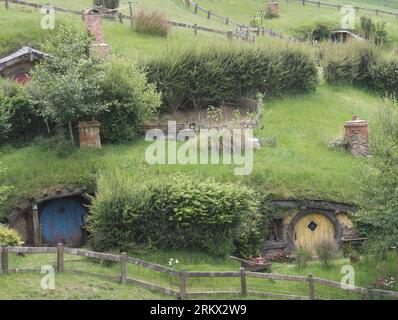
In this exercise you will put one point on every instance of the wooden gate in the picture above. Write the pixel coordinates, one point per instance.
(310, 229)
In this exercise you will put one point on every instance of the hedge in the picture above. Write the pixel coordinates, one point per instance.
(194, 78)
(176, 213)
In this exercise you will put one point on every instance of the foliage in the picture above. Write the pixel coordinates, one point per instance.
(326, 250)
(130, 100)
(336, 143)
(151, 22)
(18, 119)
(319, 31)
(176, 213)
(375, 32)
(110, 4)
(302, 257)
(201, 78)
(9, 236)
(66, 88)
(58, 143)
(378, 184)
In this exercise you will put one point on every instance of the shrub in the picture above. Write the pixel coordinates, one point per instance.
(9, 237)
(109, 4)
(151, 22)
(200, 78)
(175, 213)
(58, 143)
(302, 257)
(18, 119)
(326, 250)
(130, 99)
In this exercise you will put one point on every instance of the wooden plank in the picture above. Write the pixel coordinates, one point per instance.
(24, 270)
(151, 286)
(216, 274)
(151, 266)
(32, 249)
(213, 293)
(272, 276)
(92, 254)
(276, 295)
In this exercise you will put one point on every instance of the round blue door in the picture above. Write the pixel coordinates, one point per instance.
(61, 222)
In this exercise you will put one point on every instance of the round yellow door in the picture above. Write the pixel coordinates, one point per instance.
(311, 229)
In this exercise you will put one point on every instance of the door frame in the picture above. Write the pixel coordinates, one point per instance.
(331, 215)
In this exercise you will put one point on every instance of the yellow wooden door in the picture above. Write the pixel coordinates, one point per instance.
(311, 229)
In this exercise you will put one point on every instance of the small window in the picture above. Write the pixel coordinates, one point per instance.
(312, 225)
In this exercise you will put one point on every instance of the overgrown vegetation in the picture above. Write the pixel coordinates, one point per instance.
(175, 213)
(378, 184)
(109, 4)
(200, 78)
(363, 65)
(152, 22)
(327, 250)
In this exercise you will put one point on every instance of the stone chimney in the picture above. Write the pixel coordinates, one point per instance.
(273, 6)
(89, 133)
(356, 137)
(92, 19)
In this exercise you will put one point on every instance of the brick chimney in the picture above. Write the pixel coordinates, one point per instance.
(89, 134)
(356, 137)
(92, 19)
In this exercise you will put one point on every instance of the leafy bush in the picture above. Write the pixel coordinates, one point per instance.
(130, 100)
(377, 185)
(151, 22)
(200, 78)
(9, 236)
(326, 250)
(350, 63)
(110, 4)
(18, 119)
(302, 257)
(175, 213)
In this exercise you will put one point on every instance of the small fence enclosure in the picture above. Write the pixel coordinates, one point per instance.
(181, 276)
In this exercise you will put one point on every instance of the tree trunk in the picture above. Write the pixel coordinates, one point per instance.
(71, 133)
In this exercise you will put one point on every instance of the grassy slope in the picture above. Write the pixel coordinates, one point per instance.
(73, 286)
(301, 165)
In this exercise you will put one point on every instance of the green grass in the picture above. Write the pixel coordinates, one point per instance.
(80, 286)
(300, 165)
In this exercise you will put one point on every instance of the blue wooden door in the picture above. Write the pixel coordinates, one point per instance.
(61, 222)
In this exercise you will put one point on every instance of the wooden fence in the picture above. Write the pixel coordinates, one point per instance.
(183, 275)
(320, 4)
(121, 17)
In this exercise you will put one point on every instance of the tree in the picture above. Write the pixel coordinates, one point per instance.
(65, 88)
(378, 184)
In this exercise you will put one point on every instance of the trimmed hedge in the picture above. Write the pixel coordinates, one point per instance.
(178, 213)
(200, 78)
(363, 65)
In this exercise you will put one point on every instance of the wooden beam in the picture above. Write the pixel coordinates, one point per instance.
(183, 285)
(36, 226)
(123, 261)
(4, 259)
(243, 284)
(60, 257)
(311, 287)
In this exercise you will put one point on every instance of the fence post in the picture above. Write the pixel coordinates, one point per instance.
(195, 29)
(243, 285)
(311, 288)
(370, 294)
(123, 260)
(230, 35)
(6, 3)
(319, 4)
(183, 285)
(60, 257)
(131, 13)
(196, 8)
(227, 21)
(377, 12)
(303, 2)
(339, 8)
(120, 16)
(208, 14)
(187, 3)
(4, 259)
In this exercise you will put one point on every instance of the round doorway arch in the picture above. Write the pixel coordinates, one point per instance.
(309, 226)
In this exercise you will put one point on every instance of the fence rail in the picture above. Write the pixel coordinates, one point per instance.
(121, 17)
(182, 276)
(319, 4)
